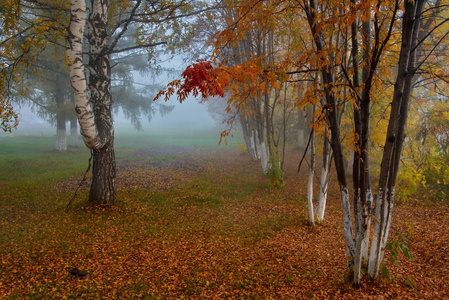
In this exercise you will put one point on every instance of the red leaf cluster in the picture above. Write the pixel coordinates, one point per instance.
(200, 78)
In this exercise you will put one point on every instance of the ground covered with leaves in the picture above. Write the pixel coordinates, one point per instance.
(202, 223)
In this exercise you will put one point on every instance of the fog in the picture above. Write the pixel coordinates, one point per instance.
(133, 95)
(187, 116)
(30, 123)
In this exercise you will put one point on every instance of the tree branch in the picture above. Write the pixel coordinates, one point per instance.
(137, 47)
(125, 27)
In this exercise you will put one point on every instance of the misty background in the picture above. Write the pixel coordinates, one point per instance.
(191, 115)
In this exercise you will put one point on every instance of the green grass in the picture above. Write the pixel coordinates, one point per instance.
(151, 239)
(31, 162)
(202, 223)
(127, 141)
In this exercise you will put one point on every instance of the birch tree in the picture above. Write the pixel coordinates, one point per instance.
(407, 67)
(94, 111)
(91, 79)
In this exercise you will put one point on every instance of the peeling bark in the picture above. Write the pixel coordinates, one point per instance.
(94, 109)
(83, 107)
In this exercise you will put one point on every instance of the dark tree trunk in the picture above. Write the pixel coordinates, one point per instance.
(61, 135)
(103, 188)
(73, 130)
(395, 134)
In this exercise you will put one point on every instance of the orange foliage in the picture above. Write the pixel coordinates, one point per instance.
(202, 79)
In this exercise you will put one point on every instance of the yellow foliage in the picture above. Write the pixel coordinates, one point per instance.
(242, 148)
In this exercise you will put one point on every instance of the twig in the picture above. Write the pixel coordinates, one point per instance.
(81, 182)
(305, 151)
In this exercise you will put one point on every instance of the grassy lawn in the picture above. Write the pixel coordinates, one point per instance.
(194, 220)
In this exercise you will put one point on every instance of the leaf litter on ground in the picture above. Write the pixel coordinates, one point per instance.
(197, 223)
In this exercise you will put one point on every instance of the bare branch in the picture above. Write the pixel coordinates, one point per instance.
(137, 47)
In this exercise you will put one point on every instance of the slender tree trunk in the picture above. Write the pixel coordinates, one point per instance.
(303, 128)
(103, 187)
(61, 134)
(324, 181)
(395, 134)
(246, 136)
(333, 121)
(310, 209)
(361, 173)
(284, 127)
(83, 107)
(249, 137)
(264, 158)
(73, 131)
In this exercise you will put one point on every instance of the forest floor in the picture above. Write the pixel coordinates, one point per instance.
(202, 223)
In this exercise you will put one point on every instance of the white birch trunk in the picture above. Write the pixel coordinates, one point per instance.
(361, 241)
(396, 132)
(358, 255)
(310, 197)
(248, 138)
(373, 261)
(324, 181)
(366, 241)
(78, 79)
(310, 181)
(381, 232)
(252, 146)
(347, 222)
(61, 140)
(94, 108)
(322, 197)
(264, 158)
(257, 145)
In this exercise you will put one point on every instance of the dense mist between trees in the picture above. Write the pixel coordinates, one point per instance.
(187, 116)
